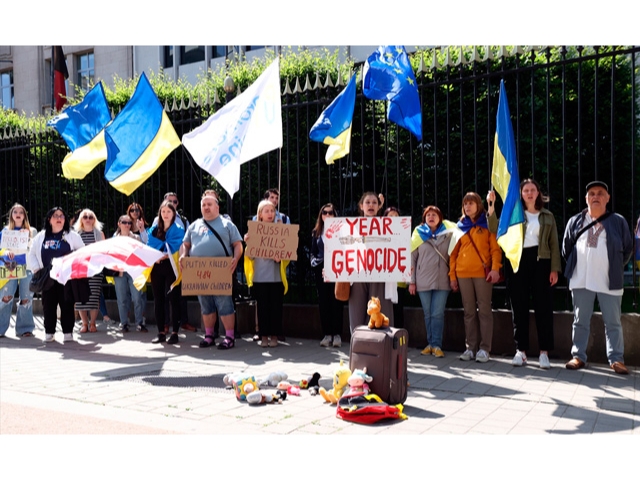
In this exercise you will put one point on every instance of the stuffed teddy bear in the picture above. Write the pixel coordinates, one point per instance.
(358, 383)
(273, 379)
(378, 319)
(340, 378)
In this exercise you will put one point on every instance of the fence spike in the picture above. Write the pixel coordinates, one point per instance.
(435, 63)
(317, 84)
(340, 82)
(518, 50)
(307, 85)
(447, 58)
(462, 60)
(328, 83)
(216, 98)
(421, 66)
(488, 54)
(475, 55)
(182, 105)
(287, 88)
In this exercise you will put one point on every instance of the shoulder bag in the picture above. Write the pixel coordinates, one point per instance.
(41, 281)
(487, 267)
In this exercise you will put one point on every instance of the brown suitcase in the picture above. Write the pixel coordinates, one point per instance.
(384, 352)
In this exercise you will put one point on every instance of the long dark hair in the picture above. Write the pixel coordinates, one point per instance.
(139, 207)
(160, 231)
(319, 228)
(540, 199)
(47, 220)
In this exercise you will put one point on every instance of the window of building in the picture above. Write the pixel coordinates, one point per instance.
(167, 57)
(85, 71)
(6, 89)
(219, 51)
(191, 54)
(250, 48)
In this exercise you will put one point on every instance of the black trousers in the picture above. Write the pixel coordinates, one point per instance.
(269, 298)
(50, 300)
(532, 280)
(331, 309)
(162, 277)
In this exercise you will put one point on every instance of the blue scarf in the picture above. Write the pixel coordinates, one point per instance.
(467, 224)
(425, 231)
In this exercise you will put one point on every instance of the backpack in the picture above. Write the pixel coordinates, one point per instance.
(367, 409)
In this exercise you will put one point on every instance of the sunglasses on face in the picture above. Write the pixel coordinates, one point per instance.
(175, 202)
(58, 215)
(87, 217)
(328, 212)
(136, 210)
(125, 223)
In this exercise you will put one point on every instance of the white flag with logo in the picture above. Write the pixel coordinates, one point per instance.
(245, 128)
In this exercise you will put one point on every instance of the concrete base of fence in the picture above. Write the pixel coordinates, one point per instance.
(303, 321)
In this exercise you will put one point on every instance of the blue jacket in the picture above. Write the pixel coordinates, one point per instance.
(619, 246)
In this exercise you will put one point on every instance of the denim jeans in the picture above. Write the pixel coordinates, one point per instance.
(433, 303)
(126, 294)
(610, 306)
(24, 313)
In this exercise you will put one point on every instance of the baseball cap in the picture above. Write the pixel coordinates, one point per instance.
(597, 183)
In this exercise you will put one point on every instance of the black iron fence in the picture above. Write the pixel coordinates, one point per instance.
(575, 118)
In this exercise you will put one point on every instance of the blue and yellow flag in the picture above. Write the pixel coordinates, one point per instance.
(138, 140)
(82, 128)
(333, 128)
(506, 182)
(388, 76)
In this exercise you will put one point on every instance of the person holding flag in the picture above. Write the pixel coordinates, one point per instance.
(536, 275)
(166, 236)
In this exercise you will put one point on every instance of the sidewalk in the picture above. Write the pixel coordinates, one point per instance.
(103, 383)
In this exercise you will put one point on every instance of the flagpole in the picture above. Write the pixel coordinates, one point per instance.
(53, 79)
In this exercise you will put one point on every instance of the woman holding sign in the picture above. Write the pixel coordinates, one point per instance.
(19, 222)
(473, 269)
(369, 205)
(330, 307)
(166, 236)
(269, 281)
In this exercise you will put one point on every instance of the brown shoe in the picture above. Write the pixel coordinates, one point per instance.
(189, 328)
(574, 364)
(619, 367)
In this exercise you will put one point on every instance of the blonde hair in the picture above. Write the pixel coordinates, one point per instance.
(97, 225)
(261, 205)
(25, 223)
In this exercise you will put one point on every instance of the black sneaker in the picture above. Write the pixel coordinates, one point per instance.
(124, 328)
(161, 338)
(141, 328)
(173, 339)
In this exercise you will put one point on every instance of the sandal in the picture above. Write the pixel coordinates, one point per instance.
(227, 343)
(207, 342)
(93, 328)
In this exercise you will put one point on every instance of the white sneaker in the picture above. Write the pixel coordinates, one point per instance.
(337, 341)
(326, 341)
(482, 356)
(49, 337)
(467, 355)
(68, 337)
(544, 361)
(519, 359)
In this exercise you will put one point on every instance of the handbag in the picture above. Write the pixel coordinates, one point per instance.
(41, 281)
(487, 268)
(342, 291)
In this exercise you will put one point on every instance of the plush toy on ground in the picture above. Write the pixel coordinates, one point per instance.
(377, 318)
(273, 379)
(290, 389)
(262, 396)
(340, 378)
(358, 383)
(242, 384)
(312, 384)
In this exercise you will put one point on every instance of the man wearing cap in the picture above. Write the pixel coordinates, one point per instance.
(597, 245)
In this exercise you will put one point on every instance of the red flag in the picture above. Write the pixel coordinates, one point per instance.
(60, 74)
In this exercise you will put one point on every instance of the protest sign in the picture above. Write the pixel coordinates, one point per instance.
(276, 241)
(15, 240)
(367, 249)
(206, 276)
(13, 268)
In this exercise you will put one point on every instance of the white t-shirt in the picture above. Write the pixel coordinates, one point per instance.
(532, 233)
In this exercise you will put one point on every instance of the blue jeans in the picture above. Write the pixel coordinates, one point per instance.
(610, 306)
(24, 314)
(126, 294)
(433, 303)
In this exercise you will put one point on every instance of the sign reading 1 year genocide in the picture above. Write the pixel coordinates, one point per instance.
(276, 241)
(367, 249)
(206, 276)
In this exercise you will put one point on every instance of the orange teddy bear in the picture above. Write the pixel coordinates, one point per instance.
(378, 319)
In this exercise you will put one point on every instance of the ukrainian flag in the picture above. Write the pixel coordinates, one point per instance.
(138, 140)
(82, 128)
(506, 181)
(333, 128)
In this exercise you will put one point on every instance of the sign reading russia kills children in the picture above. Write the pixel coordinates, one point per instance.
(277, 241)
(367, 249)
